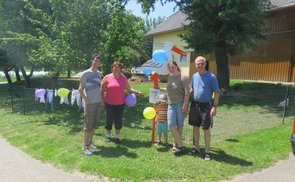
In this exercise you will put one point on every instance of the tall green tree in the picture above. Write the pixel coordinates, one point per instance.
(62, 34)
(222, 27)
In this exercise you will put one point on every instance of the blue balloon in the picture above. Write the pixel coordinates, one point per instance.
(160, 56)
(147, 72)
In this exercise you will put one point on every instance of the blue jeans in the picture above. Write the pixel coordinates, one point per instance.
(175, 116)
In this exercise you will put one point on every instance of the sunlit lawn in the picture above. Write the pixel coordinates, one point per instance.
(245, 137)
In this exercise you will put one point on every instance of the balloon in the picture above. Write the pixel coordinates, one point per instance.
(160, 56)
(40, 92)
(147, 72)
(130, 100)
(62, 92)
(149, 113)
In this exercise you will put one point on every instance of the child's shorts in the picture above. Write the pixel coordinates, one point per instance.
(162, 127)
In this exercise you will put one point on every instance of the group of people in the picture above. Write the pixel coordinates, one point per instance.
(171, 110)
(202, 109)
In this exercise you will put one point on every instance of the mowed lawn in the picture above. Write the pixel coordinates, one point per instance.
(248, 134)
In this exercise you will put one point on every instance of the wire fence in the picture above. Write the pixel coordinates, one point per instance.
(276, 100)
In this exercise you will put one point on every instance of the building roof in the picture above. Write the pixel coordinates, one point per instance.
(173, 22)
(178, 20)
(282, 3)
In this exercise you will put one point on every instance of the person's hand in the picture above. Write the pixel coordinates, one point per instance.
(102, 103)
(184, 109)
(213, 111)
(140, 93)
(87, 101)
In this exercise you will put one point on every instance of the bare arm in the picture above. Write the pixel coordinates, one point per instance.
(103, 89)
(131, 90)
(81, 91)
(215, 104)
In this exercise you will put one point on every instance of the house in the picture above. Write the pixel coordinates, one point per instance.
(272, 60)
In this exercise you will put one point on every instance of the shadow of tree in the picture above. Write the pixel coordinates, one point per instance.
(114, 152)
(135, 143)
(222, 156)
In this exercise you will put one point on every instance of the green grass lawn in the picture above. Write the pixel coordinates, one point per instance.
(248, 134)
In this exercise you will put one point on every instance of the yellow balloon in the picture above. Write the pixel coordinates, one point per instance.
(149, 113)
(62, 92)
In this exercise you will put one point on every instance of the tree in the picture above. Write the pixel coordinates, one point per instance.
(222, 27)
(60, 35)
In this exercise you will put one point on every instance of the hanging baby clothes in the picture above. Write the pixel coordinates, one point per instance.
(40, 94)
(76, 97)
(55, 92)
(64, 100)
(36, 98)
(49, 98)
(63, 93)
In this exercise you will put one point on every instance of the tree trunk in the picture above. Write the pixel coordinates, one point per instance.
(7, 76)
(26, 77)
(54, 82)
(68, 72)
(17, 76)
(222, 66)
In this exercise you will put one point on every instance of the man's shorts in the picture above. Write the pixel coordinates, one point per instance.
(199, 115)
(162, 127)
(91, 116)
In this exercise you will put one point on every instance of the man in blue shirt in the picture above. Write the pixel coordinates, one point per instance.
(202, 108)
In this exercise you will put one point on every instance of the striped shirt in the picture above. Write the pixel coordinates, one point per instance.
(161, 112)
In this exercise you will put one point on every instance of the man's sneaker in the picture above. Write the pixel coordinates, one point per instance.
(108, 139)
(86, 150)
(207, 157)
(92, 146)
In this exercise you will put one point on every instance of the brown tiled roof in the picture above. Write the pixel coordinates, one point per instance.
(173, 22)
(179, 19)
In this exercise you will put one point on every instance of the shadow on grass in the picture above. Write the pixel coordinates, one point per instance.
(222, 156)
(70, 119)
(114, 152)
(253, 94)
(134, 144)
(231, 140)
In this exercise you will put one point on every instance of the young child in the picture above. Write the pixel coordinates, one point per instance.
(161, 119)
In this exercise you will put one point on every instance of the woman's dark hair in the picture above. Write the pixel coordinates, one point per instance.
(174, 63)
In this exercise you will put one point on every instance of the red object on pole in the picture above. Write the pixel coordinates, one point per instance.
(179, 51)
(294, 127)
(155, 78)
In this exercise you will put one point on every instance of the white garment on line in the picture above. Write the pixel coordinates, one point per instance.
(64, 100)
(49, 96)
(55, 92)
(76, 97)
(36, 98)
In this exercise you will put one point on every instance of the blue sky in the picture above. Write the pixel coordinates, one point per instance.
(159, 11)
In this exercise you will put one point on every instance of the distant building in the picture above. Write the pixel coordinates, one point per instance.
(272, 60)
